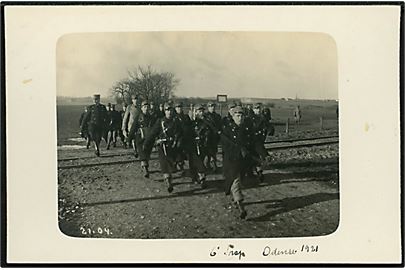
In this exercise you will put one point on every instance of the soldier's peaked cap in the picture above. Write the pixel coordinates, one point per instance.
(144, 103)
(211, 103)
(96, 96)
(168, 106)
(257, 105)
(134, 96)
(178, 104)
(237, 109)
(108, 104)
(231, 105)
(199, 107)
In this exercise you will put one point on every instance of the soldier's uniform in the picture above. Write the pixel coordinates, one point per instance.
(236, 141)
(96, 120)
(84, 133)
(129, 116)
(114, 127)
(199, 146)
(168, 132)
(140, 129)
(297, 115)
(213, 137)
(186, 135)
(261, 127)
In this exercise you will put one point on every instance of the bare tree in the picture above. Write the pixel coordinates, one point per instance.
(147, 83)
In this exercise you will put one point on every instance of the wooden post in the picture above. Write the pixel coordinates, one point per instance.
(287, 124)
(320, 123)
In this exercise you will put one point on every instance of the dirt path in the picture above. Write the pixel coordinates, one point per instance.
(299, 197)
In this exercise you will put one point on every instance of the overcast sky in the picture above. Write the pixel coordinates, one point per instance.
(240, 64)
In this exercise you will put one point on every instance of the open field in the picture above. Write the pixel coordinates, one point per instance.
(299, 196)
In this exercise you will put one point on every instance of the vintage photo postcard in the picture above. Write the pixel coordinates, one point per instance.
(203, 134)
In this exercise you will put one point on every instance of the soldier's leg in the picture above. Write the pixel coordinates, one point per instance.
(237, 195)
(166, 168)
(198, 169)
(109, 139)
(143, 156)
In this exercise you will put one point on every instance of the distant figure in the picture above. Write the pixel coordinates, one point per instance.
(114, 125)
(337, 112)
(129, 117)
(191, 112)
(297, 115)
(96, 121)
(84, 130)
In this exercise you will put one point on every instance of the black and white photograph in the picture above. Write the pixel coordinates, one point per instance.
(197, 135)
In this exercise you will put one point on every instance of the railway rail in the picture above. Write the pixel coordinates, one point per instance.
(269, 145)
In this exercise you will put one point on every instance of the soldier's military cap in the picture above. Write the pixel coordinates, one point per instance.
(257, 105)
(210, 104)
(144, 103)
(237, 109)
(108, 104)
(231, 105)
(199, 107)
(168, 106)
(134, 96)
(96, 96)
(178, 104)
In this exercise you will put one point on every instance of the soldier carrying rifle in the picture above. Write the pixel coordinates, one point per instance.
(140, 129)
(167, 131)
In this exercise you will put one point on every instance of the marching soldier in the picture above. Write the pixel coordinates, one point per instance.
(236, 142)
(191, 112)
(297, 115)
(260, 129)
(168, 132)
(213, 137)
(114, 127)
(186, 137)
(267, 118)
(140, 129)
(130, 113)
(84, 131)
(198, 149)
(96, 120)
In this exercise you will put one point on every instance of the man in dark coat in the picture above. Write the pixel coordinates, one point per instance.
(96, 120)
(261, 127)
(140, 129)
(167, 131)
(129, 116)
(84, 133)
(213, 137)
(186, 136)
(114, 126)
(236, 141)
(199, 146)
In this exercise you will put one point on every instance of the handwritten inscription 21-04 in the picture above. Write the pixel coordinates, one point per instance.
(229, 251)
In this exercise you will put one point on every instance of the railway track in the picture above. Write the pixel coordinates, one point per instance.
(270, 146)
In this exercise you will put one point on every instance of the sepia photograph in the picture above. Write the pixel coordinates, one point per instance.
(197, 135)
(192, 134)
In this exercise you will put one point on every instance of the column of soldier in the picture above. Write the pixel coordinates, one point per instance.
(192, 137)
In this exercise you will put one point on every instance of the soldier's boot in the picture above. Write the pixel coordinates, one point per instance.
(168, 181)
(135, 150)
(260, 175)
(97, 152)
(214, 165)
(242, 211)
(145, 169)
(202, 180)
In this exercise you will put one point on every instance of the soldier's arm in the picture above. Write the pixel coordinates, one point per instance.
(86, 118)
(125, 119)
(154, 132)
